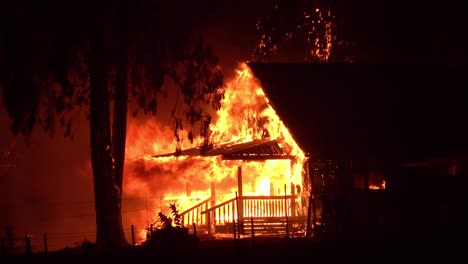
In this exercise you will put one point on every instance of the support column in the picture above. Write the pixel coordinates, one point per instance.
(293, 189)
(239, 190)
(293, 199)
(212, 215)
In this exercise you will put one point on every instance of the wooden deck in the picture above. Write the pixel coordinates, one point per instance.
(260, 215)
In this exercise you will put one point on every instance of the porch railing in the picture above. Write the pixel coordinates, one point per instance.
(227, 212)
(193, 215)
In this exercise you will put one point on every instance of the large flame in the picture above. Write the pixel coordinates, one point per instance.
(245, 115)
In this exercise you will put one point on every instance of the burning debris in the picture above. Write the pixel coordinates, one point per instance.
(253, 156)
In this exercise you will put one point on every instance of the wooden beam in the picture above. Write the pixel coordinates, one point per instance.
(239, 188)
(258, 157)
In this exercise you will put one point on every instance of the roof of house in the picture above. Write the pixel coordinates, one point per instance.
(260, 149)
(355, 111)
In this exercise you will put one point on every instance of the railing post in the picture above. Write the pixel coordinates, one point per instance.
(28, 244)
(212, 214)
(208, 222)
(309, 225)
(234, 219)
(240, 203)
(238, 217)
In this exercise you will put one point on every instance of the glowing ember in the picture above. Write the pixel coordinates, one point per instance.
(320, 35)
(193, 179)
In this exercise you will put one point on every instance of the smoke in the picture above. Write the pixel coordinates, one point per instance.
(49, 189)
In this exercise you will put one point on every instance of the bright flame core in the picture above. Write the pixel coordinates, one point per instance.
(245, 116)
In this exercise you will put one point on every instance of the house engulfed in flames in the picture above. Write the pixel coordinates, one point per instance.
(253, 178)
(363, 154)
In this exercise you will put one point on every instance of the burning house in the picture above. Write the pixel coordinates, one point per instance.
(252, 178)
(355, 141)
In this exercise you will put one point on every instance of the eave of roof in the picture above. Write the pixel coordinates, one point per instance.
(261, 149)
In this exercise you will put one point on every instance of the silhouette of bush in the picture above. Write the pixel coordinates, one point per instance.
(171, 233)
(168, 222)
(87, 245)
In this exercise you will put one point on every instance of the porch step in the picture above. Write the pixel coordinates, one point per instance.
(273, 225)
(265, 225)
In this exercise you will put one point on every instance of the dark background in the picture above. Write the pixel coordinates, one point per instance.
(48, 187)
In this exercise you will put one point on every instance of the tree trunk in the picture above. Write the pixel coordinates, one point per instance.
(119, 125)
(106, 194)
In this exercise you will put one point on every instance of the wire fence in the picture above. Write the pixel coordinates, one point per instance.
(79, 216)
(80, 212)
(54, 241)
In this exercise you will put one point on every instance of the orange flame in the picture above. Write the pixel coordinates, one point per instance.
(245, 115)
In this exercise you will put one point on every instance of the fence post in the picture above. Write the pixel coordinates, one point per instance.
(252, 228)
(194, 230)
(28, 244)
(45, 243)
(133, 235)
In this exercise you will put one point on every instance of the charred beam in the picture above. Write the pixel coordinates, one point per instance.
(258, 157)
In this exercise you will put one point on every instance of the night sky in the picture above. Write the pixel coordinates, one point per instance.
(47, 185)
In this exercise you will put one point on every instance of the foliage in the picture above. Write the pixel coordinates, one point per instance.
(54, 64)
(176, 216)
(48, 57)
(168, 222)
(171, 234)
(200, 85)
(165, 220)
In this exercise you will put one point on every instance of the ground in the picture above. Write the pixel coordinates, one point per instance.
(263, 250)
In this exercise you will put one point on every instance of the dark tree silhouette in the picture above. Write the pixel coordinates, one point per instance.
(59, 57)
(366, 31)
